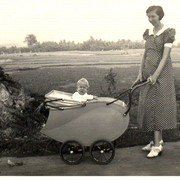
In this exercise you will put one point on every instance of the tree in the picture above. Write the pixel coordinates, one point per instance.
(49, 46)
(30, 40)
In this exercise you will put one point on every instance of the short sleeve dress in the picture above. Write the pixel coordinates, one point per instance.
(157, 103)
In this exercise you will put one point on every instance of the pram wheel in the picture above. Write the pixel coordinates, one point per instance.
(72, 152)
(102, 152)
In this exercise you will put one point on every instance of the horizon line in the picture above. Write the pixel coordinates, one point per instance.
(23, 44)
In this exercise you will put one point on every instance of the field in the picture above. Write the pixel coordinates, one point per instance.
(40, 73)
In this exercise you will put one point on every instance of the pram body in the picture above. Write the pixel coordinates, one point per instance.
(85, 123)
(95, 124)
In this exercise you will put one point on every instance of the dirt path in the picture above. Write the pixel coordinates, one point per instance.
(128, 161)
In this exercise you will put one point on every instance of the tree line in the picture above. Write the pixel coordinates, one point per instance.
(91, 44)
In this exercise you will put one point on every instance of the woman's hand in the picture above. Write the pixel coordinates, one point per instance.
(139, 78)
(153, 79)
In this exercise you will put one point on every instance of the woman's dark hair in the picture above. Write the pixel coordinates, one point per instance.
(158, 9)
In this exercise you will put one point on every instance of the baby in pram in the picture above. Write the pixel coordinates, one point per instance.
(81, 93)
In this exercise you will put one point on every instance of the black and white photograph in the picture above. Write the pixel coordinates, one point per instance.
(89, 88)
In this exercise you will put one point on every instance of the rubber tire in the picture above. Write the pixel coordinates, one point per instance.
(100, 162)
(68, 162)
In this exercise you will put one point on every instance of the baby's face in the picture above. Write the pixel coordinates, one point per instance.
(82, 89)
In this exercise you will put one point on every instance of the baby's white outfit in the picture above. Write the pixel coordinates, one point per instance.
(81, 98)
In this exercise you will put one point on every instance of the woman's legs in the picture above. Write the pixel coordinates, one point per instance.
(157, 137)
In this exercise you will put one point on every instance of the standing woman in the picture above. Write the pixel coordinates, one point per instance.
(157, 101)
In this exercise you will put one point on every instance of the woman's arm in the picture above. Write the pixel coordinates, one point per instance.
(163, 61)
(139, 78)
(169, 37)
(161, 65)
(142, 63)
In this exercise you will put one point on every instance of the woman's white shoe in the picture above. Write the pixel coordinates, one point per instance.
(161, 142)
(155, 151)
(148, 147)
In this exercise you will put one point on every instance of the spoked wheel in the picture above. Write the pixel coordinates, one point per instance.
(102, 152)
(72, 152)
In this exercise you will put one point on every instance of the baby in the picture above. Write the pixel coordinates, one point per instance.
(81, 94)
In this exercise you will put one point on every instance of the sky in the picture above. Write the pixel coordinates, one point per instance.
(77, 20)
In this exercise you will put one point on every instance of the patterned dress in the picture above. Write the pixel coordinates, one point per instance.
(157, 103)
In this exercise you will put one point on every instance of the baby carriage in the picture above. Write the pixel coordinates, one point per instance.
(94, 124)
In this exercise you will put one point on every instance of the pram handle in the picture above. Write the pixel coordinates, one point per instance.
(63, 107)
(43, 104)
(130, 93)
(46, 103)
(133, 88)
